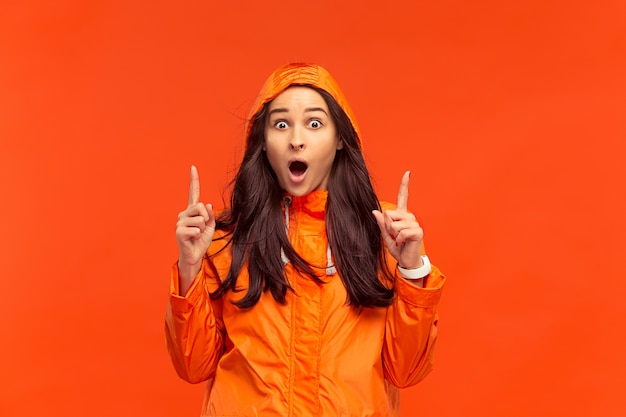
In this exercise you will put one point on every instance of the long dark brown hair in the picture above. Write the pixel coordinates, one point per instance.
(256, 230)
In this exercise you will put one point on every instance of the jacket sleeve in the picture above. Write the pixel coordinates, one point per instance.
(411, 330)
(193, 332)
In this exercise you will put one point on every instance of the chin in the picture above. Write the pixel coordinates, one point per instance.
(298, 192)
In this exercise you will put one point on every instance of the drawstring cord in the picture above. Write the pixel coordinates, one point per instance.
(330, 268)
(282, 251)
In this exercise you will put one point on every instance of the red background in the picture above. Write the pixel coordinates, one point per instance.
(509, 114)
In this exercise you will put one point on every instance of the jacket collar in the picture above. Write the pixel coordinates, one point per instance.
(313, 203)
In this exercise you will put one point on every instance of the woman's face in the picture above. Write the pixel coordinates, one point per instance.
(300, 140)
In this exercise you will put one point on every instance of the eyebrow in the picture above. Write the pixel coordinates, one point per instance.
(307, 110)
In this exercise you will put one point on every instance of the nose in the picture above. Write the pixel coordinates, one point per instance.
(296, 143)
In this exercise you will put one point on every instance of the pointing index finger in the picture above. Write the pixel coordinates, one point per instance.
(194, 186)
(403, 193)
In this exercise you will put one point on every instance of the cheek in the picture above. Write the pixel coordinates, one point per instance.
(333, 146)
(272, 156)
(271, 143)
(325, 162)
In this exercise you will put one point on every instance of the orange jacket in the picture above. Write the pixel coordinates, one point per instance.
(313, 356)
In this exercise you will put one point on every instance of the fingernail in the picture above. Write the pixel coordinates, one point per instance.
(392, 236)
(397, 244)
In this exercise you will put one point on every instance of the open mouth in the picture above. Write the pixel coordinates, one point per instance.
(298, 168)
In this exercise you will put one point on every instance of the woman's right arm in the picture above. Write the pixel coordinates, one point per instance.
(193, 339)
(194, 333)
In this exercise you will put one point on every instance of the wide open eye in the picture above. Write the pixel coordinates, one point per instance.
(315, 124)
(280, 124)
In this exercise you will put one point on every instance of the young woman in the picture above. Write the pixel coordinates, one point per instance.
(306, 297)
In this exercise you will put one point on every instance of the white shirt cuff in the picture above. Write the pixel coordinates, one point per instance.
(416, 273)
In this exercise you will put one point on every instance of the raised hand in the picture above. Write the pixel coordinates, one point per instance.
(194, 233)
(400, 230)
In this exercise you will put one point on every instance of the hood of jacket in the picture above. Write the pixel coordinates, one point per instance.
(301, 74)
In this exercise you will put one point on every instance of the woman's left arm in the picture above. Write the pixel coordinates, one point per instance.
(411, 330)
(411, 326)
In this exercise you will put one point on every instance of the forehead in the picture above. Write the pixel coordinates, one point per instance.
(298, 96)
